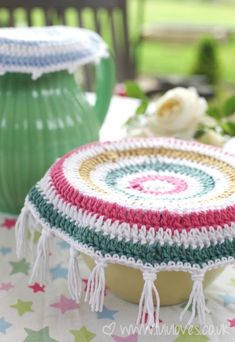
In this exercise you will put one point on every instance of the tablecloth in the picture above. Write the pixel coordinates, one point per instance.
(46, 312)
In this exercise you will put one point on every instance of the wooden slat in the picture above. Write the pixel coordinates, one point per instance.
(47, 15)
(62, 16)
(29, 19)
(111, 15)
(96, 20)
(80, 18)
(63, 4)
(86, 69)
(129, 61)
(11, 18)
(115, 45)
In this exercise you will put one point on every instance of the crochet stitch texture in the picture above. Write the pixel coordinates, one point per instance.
(152, 204)
(40, 50)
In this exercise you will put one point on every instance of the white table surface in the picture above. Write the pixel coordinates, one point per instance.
(120, 110)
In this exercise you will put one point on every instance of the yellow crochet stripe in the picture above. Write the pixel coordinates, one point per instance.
(90, 164)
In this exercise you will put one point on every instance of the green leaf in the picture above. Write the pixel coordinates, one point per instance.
(199, 133)
(142, 107)
(228, 128)
(214, 112)
(133, 90)
(229, 106)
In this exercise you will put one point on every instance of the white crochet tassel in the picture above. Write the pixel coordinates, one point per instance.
(74, 277)
(20, 231)
(197, 300)
(96, 287)
(148, 313)
(40, 267)
(32, 223)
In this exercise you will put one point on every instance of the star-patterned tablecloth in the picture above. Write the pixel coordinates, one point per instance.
(46, 312)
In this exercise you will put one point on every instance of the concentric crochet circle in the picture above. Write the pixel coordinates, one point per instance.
(152, 204)
(39, 50)
(156, 201)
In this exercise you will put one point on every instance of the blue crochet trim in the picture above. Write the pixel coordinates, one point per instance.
(42, 61)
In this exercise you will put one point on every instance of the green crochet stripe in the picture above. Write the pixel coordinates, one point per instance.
(204, 179)
(154, 253)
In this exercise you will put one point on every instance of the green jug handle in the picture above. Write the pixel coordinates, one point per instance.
(105, 80)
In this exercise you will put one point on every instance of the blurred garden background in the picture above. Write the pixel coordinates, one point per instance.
(166, 36)
(179, 57)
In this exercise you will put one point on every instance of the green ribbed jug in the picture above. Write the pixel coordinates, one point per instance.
(42, 119)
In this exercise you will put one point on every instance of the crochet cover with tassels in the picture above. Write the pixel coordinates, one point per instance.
(152, 204)
(40, 50)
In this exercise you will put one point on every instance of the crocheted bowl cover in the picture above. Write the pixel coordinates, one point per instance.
(152, 204)
(38, 51)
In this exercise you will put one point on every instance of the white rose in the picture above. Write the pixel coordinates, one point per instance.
(178, 113)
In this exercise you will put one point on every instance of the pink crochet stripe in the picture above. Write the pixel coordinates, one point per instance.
(149, 218)
(179, 184)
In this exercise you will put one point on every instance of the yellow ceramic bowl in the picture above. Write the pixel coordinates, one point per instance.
(127, 283)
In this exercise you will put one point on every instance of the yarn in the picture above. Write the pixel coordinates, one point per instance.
(74, 277)
(152, 204)
(38, 51)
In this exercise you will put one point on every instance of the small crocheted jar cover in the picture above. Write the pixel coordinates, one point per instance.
(152, 204)
(37, 50)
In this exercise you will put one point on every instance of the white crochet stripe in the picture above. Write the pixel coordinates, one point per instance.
(71, 172)
(169, 143)
(70, 67)
(123, 260)
(124, 183)
(175, 202)
(34, 43)
(195, 237)
(44, 50)
(100, 172)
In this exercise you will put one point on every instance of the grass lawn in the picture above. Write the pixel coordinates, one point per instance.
(178, 59)
(168, 58)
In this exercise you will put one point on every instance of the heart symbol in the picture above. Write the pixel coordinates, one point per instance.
(109, 329)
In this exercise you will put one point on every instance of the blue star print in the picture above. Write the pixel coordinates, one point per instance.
(5, 250)
(106, 313)
(228, 300)
(63, 244)
(59, 272)
(4, 325)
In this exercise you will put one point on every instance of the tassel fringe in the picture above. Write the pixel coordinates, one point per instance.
(96, 287)
(20, 231)
(197, 301)
(74, 277)
(147, 313)
(40, 267)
